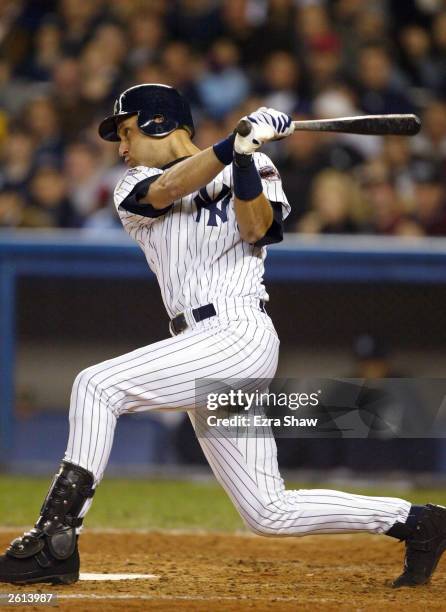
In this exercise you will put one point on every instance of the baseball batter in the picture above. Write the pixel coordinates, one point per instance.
(203, 220)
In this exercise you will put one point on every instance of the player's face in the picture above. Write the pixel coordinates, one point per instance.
(135, 148)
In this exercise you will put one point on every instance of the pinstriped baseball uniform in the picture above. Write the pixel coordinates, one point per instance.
(195, 249)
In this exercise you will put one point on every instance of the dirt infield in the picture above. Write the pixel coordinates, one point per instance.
(218, 572)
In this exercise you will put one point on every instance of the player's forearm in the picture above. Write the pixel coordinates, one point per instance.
(190, 174)
(184, 178)
(254, 217)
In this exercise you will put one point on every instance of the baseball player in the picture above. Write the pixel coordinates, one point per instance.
(203, 220)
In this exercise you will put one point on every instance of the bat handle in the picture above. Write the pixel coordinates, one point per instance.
(243, 128)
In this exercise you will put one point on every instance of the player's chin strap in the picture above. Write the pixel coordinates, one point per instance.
(59, 517)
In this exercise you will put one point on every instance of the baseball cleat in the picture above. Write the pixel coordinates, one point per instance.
(424, 548)
(41, 566)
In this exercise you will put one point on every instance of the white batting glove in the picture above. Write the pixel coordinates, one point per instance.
(281, 122)
(266, 124)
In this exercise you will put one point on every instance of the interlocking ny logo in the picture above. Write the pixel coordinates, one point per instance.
(203, 200)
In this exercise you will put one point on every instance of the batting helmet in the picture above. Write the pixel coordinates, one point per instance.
(160, 109)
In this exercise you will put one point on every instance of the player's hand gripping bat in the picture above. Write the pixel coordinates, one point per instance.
(376, 125)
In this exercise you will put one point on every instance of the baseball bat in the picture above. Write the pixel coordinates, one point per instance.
(376, 125)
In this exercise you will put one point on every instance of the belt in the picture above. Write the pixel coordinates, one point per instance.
(178, 324)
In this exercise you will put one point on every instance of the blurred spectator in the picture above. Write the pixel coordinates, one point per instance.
(72, 109)
(336, 205)
(431, 142)
(312, 22)
(372, 358)
(439, 44)
(377, 91)
(78, 21)
(306, 154)
(396, 155)
(50, 206)
(276, 29)
(104, 214)
(84, 173)
(45, 55)
(208, 133)
(416, 60)
(146, 33)
(178, 69)
(17, 157)
(339, 101)
(62, 63)
(195, 21)
(371, 23)
(224, 85)
(385, 208)
(151, 73)
(13, 35)
(323, 62)
(279, 85)
(42, 121)
(100, 66)
(302, 162)
(238, 24)
(14, 92)
(12, 206)
(429, 197)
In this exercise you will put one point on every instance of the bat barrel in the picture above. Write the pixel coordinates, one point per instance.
(378, 125)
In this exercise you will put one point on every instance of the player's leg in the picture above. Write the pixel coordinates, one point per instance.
(159, 375)
(246, 466)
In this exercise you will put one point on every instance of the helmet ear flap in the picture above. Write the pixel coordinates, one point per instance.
(155, 125)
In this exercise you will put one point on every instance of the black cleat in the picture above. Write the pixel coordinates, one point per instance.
(424, 548)
(41, 566)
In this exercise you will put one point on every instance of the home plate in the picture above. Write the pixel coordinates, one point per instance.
(117, 576)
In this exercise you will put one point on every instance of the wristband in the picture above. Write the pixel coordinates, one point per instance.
(247, 182)
(224, 150)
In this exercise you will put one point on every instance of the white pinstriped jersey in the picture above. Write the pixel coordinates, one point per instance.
(195, 248)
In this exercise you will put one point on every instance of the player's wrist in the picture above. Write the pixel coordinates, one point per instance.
(243, 160)
(223, 149)
(246, 179)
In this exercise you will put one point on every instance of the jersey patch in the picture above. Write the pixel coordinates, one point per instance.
(269, 173)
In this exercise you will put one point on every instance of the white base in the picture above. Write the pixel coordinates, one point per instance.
(106, 577)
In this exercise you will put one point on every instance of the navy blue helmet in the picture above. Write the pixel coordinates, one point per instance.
(160, 110)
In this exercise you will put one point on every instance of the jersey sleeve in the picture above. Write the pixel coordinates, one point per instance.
(271, 182)
(132, 187)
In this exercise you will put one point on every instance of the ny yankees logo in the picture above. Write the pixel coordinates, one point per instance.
(203, 200)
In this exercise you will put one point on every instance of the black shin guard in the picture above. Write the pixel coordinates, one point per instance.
(59, 517)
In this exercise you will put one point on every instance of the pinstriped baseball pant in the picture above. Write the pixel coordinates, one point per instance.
(163, 375)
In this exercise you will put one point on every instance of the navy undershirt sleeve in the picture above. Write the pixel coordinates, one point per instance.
(132, 204)
(275, 231)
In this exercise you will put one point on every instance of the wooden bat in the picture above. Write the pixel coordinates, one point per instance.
(376, 125)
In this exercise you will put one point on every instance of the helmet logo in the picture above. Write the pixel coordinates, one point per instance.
(158, 118)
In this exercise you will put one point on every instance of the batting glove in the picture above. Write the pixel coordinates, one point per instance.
(267, 124)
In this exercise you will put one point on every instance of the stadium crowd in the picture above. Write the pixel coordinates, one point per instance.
(62, 63)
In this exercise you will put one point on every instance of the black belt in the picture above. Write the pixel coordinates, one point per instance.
(178, 324)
